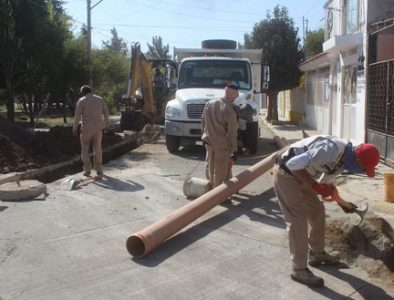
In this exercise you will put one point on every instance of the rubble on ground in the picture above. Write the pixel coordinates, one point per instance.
(369, 245)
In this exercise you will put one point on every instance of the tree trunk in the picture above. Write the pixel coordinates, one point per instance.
(272, 107)
(29, 101)
(10, 101)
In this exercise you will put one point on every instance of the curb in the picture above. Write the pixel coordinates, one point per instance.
(45, 172)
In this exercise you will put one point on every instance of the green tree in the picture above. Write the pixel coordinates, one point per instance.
(116, 43)
(32, 35)
(314, 42)
(157, 50)
(111, 69)
(11, 46)
(75, 70)
(277, 36)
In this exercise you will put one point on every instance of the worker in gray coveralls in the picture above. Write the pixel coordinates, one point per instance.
(305, 170)
(91, 110)
(219, 133)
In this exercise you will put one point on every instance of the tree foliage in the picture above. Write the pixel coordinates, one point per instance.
(314, 43)
(277, 36)
(157, 50)
(116, 43)
(32, 36)
(41, 60)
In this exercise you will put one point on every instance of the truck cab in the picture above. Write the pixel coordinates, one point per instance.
(203, 74)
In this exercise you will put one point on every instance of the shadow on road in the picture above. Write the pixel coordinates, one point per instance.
(366, 289)
(115, 184)
(197, 152)
(242, 204)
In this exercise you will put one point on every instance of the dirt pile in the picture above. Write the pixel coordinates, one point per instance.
(14, 158)
(369, 245)
(43, 149)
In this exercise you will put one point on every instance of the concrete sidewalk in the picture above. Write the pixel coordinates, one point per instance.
(354, 188)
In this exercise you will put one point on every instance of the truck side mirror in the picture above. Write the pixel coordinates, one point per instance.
(265, 77)
(171, 75)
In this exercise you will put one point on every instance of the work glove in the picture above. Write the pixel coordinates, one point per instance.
(348, 210)
(323, 189)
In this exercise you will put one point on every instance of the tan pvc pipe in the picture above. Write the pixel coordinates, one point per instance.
(144, 241)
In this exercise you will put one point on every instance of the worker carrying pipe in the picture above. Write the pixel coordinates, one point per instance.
(303, 171)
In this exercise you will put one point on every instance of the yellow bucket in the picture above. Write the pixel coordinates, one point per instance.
(388, 179)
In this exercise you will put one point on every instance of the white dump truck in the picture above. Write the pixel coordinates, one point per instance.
(202, 75)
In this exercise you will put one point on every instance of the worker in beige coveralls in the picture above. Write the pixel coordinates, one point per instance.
(219, 127)
(305, 170)
(92, 112)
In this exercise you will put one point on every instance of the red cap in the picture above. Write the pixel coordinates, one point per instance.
(369, 156)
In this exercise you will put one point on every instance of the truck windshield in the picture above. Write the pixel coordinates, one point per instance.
(214, 74)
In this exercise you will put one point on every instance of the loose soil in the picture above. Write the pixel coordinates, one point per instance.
(44, 149)
(369, 246)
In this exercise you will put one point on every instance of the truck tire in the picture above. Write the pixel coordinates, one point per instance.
(252, 137)
(219, 44)
(172, 142)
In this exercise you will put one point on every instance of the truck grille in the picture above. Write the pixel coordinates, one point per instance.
(194, 110)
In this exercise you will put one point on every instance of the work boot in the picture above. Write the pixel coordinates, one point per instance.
(323, 258)
(86, 173)
(305, 276)
(99, 175)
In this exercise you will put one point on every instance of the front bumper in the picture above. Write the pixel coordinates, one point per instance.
(183, 129)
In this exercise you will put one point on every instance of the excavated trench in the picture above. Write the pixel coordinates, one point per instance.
(50, 155)
(369, 245)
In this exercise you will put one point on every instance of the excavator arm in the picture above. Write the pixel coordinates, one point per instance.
(141, 76)
(140, 107)
(146, 98)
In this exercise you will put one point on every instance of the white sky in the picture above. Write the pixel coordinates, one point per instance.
(185, 23)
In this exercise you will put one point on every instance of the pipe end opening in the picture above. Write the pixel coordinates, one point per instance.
(135, 246)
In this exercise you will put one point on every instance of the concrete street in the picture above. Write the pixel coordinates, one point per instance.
(71, 244)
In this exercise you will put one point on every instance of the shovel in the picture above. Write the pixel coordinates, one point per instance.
(348, 207)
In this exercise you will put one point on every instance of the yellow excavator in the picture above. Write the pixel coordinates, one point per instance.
(150, 86)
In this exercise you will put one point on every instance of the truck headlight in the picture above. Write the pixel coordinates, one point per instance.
(172, 112)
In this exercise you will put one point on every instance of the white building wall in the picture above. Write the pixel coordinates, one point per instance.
(346, 115)
(345, 55)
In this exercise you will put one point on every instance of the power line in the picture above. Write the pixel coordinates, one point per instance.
(191, 15)
(208, 8)
(174, 27)
(311, 7)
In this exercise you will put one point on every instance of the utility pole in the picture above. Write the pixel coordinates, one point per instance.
(303, 32)
(306, 28)
(89, 43)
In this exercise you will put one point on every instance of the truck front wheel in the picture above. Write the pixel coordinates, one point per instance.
(252, 136)
(172, 143)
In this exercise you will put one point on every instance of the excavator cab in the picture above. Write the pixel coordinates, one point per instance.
(149, 89)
